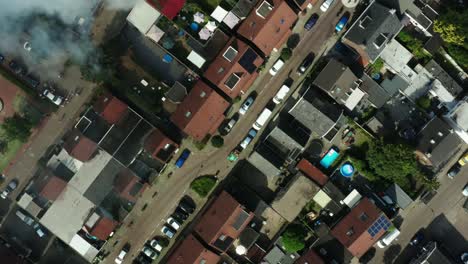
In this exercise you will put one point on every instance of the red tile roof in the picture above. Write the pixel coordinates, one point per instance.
(79, 146)
(110, 108)
(201, 112)
(351, 231)
(103, 228)
(310, 257)
(169, 8)
(53, 188)
(243, 63)
(125, 185)
(312, 172)
(273, 30)
(192, 251)
(160, 146)
(219, 219)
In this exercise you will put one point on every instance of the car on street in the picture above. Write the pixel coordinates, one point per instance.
(142, 259)
(150, 252)
(463, 160)
(417, 239)
(281, 94)
(454, 171)
(180, 214)
(9, 188)
(276, 67)
(55, 99)
(324, 7)
(26, 219)
(31, 80)
(246, 105)
(154, 243)
(39, 231)
(262, 118)
(311, 22)
(16, 68)
(182, 158)
(119, 259)
(464, 258)
(250, 136)
(186, 207)
(465, 205)
(341, 23)
(173, 223)
(465, 191)
(305, 63)
(388, 238)
(168, 231)
(230, 125)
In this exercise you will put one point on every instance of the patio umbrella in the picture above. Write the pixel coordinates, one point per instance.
(199, 17)
(211, 26)
(204, 34)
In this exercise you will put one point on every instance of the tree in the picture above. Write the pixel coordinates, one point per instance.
(293, 238)
(217, 141)
(286, 53)
(424, 102)
(3, 146)
(203, 185)
(17, 127)
(452, 26)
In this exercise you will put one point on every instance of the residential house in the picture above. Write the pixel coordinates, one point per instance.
(169, 8)
(432, 253)
(201, 112)
(80, 147)
(276, 255)
(310, 257)
(400, 197)
(110, 108)
(396, 57)
(129, 186)
(377, 96)
(371, 32)
(143, 16)
(222, 222)
(361, 227)
(316, 114)
(340, 83)
(437, 143)
(191, 251)
(235, 68)
(445, 80)
(312, 172)
(292, 198)
(52, 188)
(268, 26)
(100, 225)
(160, 146)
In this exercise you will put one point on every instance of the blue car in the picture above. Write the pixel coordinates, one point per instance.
(183, 157)
(311, 22)
(341, 24)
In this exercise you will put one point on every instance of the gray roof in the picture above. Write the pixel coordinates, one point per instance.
(263, 165)
(283, 141)
(431, 255)
(392, 86)
(104, 182)
(438, 142)
(376, 94)
(440, 74)
(274, 256)
(311, 117)
(378, 20)
(176, 93)
(399, 196)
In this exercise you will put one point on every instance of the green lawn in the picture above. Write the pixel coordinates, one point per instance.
(13, 147)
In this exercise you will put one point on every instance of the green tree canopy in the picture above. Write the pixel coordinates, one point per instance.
(17, 127)
(203, 185)
(452, 26)
(293, 238)
(217, 141)
(286, 53)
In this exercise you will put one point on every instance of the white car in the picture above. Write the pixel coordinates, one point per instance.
(57, 100)
(324, 7)
(276, 67)
(465, 191)
(281, 94)
(168, 231)
(173, 223)
(150, 253)
(119, 259)
(155, 245)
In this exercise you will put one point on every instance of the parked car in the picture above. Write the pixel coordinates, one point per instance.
(250, 136)
(454, 171)
(39, 230)
(185, 206)
(388, 238)
(276, 67)
(188, 202)
(168, 231)
(465, 205)
(173, 223)
(55, 99)
(465, 191)
(341, 23)
(143, 259)
(464, 258)
(180, 214)
(26, 219)
(156, 245)
(150, 253)
(246, 105)
(16, 68)
(230, 125)
(417, 239)
(182, 158)
(119, 259)
(463, 160)
(311, 22)
(306, 63)
(31, 80)
(281, 94)
(9, 188)
(324, 7)
(262, 118)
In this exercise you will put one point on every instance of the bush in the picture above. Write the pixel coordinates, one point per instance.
(286, 53)
(293, 238)
(377, 66)
(203, 185)
(17, 127)
(217, 141)
(424, 102)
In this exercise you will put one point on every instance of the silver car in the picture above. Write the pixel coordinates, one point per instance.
(246, 105)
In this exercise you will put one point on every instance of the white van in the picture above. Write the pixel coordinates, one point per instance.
(276, 67)
(388, 238)
(283, 91)
(261, 120)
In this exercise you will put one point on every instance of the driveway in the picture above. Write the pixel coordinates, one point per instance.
(142, 225)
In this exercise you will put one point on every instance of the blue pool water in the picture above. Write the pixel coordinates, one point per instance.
(329, 158)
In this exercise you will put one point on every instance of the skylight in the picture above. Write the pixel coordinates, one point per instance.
(230, 54)
(264, 9)
(232, 81)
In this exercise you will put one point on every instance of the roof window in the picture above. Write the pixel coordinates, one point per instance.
(380, 40)
(363, 217)
(364, 23)
(230, 54)
(264, 9)
(232, 81)
(202, 94)
(188, 114)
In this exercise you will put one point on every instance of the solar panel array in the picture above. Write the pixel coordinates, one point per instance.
(381, 223)
(247, 60)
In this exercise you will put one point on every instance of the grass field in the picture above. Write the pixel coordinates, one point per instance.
(13, 147)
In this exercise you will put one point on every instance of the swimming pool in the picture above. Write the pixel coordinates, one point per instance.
(329, 158)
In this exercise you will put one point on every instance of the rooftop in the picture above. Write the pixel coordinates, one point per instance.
(361, 227)
(269, 25)
(399, 196)
(128, 185)
(103, 228)
(53, 188)
(376, 94)
(79, 146)
(169, 8)
(201, 112)
(312, 172)
(396, 56)
(283, 142)
(235, 68)
(160, 146)
(192, 251)
(143, 16)
(110, 108)
(372, 30)
(310, 257)
(447, 81)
